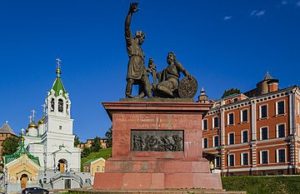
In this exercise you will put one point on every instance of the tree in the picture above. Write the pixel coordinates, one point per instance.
(10, 145)
(230, 92)
(85, 152)
(108, 135)
(96, 144)
(76, 140)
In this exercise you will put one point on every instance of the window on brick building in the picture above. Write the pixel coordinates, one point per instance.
(264, 157)
(263, 111)
(280, 155)
(204, 126)
(263, 133)
(231, 138)
(280, 131)
(216, 122)
(244, 136)
(244, 115)
(230, 119)
(280, 107)
(218, 162)
(205, 143)
(244, 159)
(216, 141)
(231, 160)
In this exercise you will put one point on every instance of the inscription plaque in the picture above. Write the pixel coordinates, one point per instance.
(154, 140)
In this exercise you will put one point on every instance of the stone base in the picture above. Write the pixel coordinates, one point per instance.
(156, 169)
(146, 181)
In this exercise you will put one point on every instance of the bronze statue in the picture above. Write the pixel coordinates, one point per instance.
(136, 72)
(169, 77)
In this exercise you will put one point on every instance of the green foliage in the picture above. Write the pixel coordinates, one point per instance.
(230, 92)
(76, 140)
(108, 135)
(96, 144)
(85, 152)
(104, 153)
(263, 185)
(10, 145)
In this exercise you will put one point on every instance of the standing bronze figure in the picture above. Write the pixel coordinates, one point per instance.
(136, 72)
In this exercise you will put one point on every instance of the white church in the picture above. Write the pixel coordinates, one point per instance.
(52, 139)
(47, 156)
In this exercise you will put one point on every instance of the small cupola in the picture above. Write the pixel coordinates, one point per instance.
(268, 84)
(203, 98)
(32, 129)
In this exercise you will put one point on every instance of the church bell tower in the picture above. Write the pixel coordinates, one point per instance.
(58, 106)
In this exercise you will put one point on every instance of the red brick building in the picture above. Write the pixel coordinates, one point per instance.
(256, 132)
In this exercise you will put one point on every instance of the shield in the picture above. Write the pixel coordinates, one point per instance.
(187, 87)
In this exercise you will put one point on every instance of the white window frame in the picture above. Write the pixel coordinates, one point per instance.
(241, 114)
(242, 161)
(276, 107)
(228, 120)
(215, 162)
(213, 121)
(260, 133)
(243, 137)
(203, 124)
(277, 155)
(228, 159)
(260, 156)
(228, 138)
(260, 112)
(277, 131)
(203, 143)
(214, 140)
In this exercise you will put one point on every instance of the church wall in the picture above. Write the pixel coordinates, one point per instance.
(60, 125)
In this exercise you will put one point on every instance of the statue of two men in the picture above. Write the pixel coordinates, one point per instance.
(165, 83)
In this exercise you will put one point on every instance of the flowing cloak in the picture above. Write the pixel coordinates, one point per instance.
(136, 68)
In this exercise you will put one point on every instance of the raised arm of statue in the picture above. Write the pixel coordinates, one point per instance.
(132, 9)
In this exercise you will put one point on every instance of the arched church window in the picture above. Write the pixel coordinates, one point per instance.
(52, 105)
(60, 105)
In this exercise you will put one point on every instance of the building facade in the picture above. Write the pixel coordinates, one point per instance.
(90, 142)
(94, 165)
(52, 139)
(47, 157)
(256, 132)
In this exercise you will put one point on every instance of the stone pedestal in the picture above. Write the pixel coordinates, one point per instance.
(172, 159)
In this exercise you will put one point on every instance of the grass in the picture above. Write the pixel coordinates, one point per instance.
(104, 153)
(263, 185)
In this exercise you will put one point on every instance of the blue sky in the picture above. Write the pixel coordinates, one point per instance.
(224, 44)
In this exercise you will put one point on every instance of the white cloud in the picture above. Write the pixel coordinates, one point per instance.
(298, 3)
(258, 13)
(227, 18)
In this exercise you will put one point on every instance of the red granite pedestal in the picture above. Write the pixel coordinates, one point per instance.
(144, 170)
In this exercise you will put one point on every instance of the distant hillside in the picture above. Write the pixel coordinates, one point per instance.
(104, 153)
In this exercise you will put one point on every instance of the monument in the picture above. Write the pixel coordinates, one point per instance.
(156, 133)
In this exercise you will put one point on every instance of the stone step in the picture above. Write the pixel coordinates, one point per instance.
(166, 191)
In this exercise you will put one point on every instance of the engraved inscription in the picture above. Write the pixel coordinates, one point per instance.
(153, 140)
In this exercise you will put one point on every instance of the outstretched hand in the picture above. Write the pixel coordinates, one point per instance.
(133, 7)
